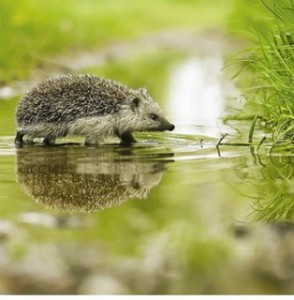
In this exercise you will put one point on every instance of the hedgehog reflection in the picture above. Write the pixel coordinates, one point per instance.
(79, 179)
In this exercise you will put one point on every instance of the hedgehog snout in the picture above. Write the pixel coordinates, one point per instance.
(171, 127)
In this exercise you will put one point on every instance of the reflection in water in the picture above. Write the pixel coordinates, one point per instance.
(83, 179)
(198, 93)
(272, 179)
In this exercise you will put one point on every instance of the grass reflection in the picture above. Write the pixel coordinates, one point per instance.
(270, 180)
(275, 201)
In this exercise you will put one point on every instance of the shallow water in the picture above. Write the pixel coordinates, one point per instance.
(170, 215)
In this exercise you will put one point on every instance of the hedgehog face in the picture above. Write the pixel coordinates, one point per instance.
(147, 115)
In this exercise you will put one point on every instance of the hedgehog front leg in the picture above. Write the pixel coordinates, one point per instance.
(127, 138)
(48, 141)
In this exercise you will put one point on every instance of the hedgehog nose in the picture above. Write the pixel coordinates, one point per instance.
(171, 127)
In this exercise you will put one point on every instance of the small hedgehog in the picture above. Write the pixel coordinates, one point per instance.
(87, 106)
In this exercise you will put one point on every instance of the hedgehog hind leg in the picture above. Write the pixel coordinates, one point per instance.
(127, 139)
(18, 141)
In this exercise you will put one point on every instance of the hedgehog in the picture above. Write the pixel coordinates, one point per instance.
(87, 106)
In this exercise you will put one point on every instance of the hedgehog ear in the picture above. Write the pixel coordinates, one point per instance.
(135, 103)
(143, 91)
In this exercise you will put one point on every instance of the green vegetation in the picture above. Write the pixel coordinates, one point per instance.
(270, 67)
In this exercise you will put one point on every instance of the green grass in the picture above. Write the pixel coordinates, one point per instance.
(32, 30)
(269, 72)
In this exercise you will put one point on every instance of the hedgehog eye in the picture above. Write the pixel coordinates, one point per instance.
(153, 117)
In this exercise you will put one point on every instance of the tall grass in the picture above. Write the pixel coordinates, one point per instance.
(270, 95)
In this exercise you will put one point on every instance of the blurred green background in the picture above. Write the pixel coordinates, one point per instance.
(213, 225)
(32, 31)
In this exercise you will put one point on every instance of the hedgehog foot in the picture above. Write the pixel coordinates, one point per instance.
(127, 139)
(47, 141)
(18, 141)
